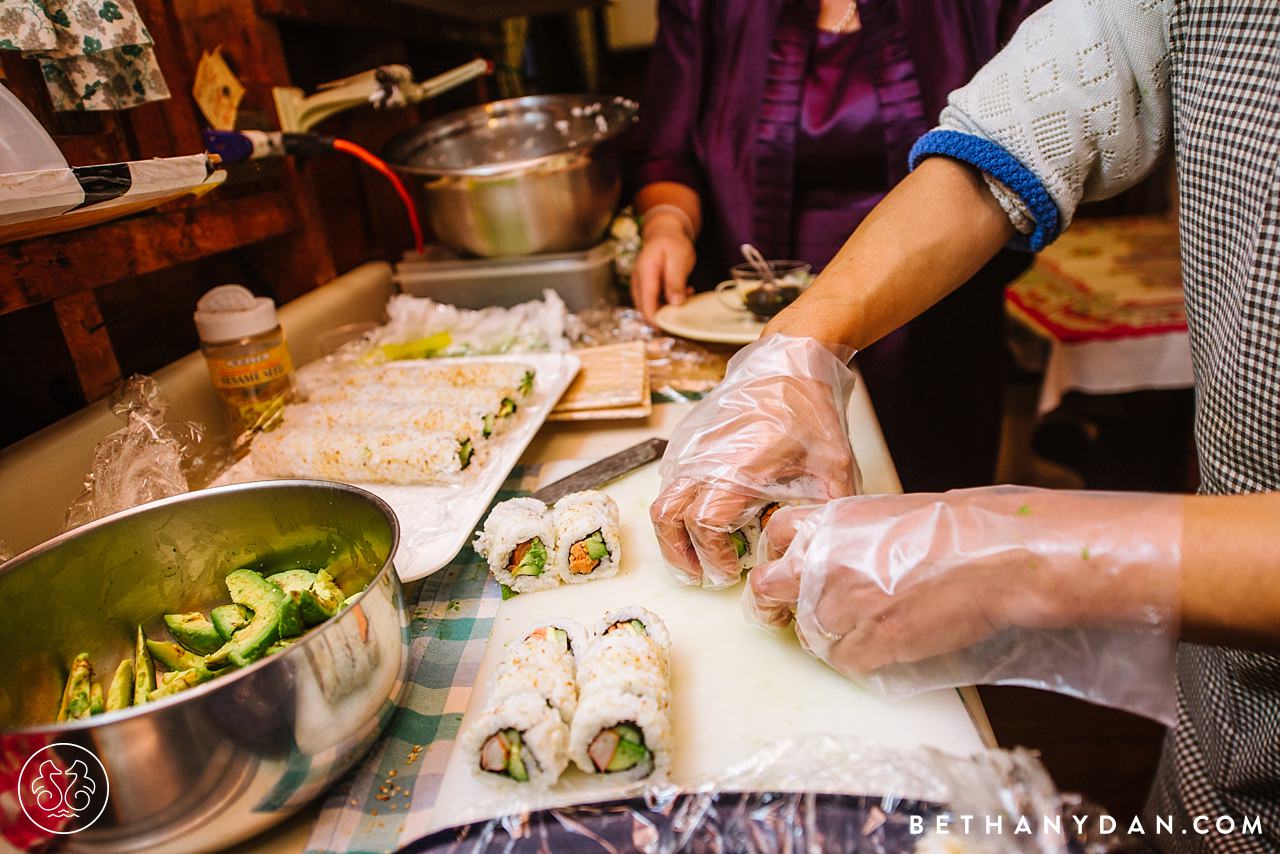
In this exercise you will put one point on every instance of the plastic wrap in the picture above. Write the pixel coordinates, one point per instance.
(1071, 592)
(419, 328)
(140, 462)
(814, 794)
(775, 431)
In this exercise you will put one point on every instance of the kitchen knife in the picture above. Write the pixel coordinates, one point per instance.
(599, 473)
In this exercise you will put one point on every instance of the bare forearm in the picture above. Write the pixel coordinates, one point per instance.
(1231, 570)
(929, 235)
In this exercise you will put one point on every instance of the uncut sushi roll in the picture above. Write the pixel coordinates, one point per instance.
(541, 663)
(518, 740)
(495, 402)
(511, 378)
(519, 542)
(639, 621)
(469, 422)
(363, 456)
(588, 544)
(624, 736)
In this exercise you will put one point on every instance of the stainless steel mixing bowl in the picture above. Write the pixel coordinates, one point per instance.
(211, 766)
(522, 176)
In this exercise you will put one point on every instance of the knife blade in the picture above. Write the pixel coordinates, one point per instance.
(603, 471)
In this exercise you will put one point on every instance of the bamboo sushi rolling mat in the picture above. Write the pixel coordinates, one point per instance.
(386, 801)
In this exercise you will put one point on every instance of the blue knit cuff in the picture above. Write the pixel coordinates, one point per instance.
(1004, 167)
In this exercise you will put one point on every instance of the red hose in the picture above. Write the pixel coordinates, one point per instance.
(377, 163)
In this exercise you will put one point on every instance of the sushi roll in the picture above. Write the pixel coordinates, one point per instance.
(541, 663)
(569, 634)
(638, 621)
(517, 740)
(471, 422)
(512, 378)
(494, 402)
(589, 546)
(519, 542)
(625, 736)
(624, 663)
(364, 456)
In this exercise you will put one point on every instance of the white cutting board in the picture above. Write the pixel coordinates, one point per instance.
(736, 688)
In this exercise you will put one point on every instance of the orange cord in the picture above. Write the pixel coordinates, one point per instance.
(377, 163)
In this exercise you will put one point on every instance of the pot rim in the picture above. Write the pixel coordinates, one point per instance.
(415, 138)
(227, 679)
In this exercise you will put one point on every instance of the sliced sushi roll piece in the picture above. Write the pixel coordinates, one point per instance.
(625, 736)
(640, 621)
(567, 634)
(467, 421)
(364, 456)
(519, 543)
(541, 664)
(589, 546)
(518, 740)
(625, 664)
(745, 542)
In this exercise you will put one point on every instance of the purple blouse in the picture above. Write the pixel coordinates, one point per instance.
(790, 135)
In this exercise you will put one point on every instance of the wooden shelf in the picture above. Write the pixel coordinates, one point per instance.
(412, 16)
(36, 271)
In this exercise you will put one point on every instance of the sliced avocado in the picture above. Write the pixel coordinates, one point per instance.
(526, 383)
(488, 425)
(269, 605)
(465, 452)
(596, 549)
(507, 592)
(181, 681)
(629, 732)
(97, 700)
(144, 670)
(507, 408)
(515, 760)
(174, 657)
(534, 560)
(120, 694)
(229, 619)
(561, 637)
(280, 645)
(628, 755)
(77, 694)
(739, 542)
(316, 595)
(195, 631)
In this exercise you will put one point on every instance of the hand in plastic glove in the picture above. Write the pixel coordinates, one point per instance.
(1075, 592)
(663, 266)
(774, 431)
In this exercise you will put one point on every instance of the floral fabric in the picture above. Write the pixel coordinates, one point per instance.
(94, 54)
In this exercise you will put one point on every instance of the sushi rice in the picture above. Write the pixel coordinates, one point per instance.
(539, 755)
(512, 378)
(539, 665)
(587, 537)
(510, 526)
(465, 422)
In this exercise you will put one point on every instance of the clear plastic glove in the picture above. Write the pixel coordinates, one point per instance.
(1068, 591)
(773, 432)
(661, 271)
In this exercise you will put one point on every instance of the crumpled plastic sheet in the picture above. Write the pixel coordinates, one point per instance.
(812, 794)
(679, 370)
(418, 327)
(142, 461)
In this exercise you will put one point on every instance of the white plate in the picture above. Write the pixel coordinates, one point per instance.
(437, 521)
(704, 317)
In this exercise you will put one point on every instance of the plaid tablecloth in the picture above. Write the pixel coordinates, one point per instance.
(387, 800)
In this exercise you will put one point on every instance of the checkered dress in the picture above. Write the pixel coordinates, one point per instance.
(1080, 105)
(1224, 757)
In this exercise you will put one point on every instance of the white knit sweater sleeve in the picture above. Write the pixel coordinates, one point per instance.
(1080, 97)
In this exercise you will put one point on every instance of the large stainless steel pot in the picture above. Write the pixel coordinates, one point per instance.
(523, 176)
(209, 767)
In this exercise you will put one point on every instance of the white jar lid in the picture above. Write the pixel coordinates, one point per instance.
(229, 312)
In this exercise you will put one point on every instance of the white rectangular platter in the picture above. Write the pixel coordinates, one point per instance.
(736, 688)
(437, 521)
